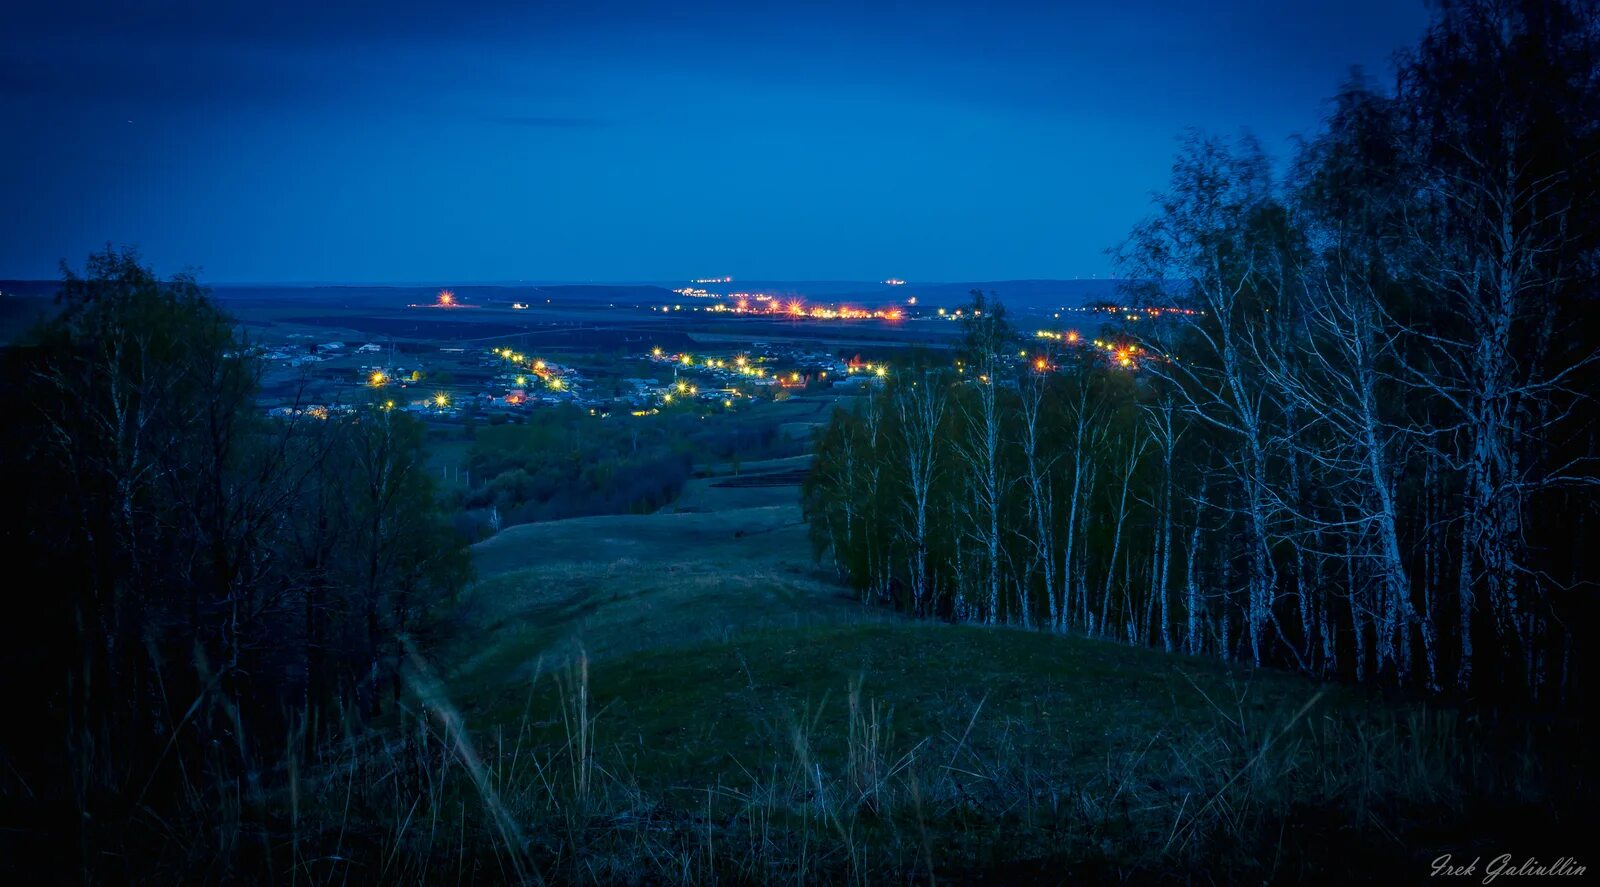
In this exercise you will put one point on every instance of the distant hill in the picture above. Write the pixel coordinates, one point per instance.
(29, 289)
(1023, 294)
(1016, 294)
(468, 293)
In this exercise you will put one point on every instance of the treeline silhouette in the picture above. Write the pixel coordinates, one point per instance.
(1369, 451)
(203, 593)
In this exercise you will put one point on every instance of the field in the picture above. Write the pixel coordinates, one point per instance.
(713, 704)
(690, 695)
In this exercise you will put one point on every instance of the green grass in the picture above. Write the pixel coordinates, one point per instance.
(630, 583)
(711, 712)
(711, 493)
(732, 539)
(689, 697)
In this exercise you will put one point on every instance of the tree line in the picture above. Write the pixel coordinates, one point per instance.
(208, 590)
(1366, 447)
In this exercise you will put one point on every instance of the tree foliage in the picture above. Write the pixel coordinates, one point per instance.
(1367, 446)
(209, 582)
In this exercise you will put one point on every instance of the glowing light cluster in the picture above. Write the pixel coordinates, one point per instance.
(762, 304)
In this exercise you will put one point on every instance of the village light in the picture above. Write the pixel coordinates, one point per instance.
(378, 378)
(556, 384)
(881, 371)
(656, 351)
(521, 381)
(441, 400)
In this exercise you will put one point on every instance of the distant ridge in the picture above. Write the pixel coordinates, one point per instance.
(1030, 294)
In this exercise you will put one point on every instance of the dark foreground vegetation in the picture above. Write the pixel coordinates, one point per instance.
(1347, 504)
(209, 590)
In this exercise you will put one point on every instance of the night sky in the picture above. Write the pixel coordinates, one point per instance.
(321, 140)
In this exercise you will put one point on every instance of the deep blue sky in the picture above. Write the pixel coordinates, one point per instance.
(328, 140)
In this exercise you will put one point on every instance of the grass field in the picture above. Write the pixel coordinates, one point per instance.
(702, 700)
(728, 486)
(621, 584)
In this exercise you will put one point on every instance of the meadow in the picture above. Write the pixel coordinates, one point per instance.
(689, 696)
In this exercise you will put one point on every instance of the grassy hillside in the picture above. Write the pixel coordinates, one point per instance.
(731, 485)
(688, 696)
(611, 585)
